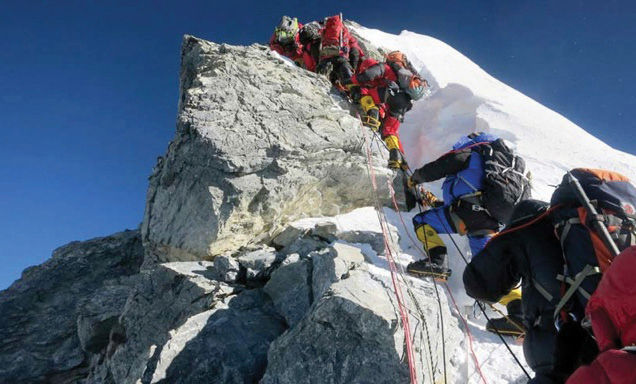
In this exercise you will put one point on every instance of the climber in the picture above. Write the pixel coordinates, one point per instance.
(297, 42)
(471, 206)
(560, 256)
(340, 52)
(612, 311)
(385, 92)
(528, 250)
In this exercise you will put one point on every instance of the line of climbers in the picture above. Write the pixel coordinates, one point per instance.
(385, 90)
(578, 292)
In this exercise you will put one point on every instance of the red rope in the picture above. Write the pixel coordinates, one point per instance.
(398, 292)
(414, 244)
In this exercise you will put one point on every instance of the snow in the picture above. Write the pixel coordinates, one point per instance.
(465, 99)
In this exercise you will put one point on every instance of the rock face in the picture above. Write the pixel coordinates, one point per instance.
(39, 339)
(259, 142)
(352, 333)
(181, 326)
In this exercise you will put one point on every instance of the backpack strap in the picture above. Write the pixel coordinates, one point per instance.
(544, 292)
(575, 285)
(567, 225)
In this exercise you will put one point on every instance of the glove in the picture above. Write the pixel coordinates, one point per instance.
(410, 183)
(429, 199)
(405, 165)
(393, 88)
(355, 92)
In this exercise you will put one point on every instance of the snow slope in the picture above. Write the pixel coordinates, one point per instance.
(465, 99)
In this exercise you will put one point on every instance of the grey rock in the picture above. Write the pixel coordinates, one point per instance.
(162, 301)
(304, 246)
(258, 145)
(352, 334)
(258, 263)
(225, 268)
(98, 316)
(288, 236)
(39, 339)
(375, 239)
(290, 259)
(331, 265)
(325, 230)
(227, 344)
(290, 290)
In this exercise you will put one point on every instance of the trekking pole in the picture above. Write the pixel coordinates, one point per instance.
(597, 220)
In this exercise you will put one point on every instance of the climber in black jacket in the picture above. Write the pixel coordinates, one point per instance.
(528, 250)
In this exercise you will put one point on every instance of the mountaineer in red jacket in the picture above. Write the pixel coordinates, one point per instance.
(612, 310)
(386, 92)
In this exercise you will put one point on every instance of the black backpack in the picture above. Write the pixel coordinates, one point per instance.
(505, 182)
(310, 32)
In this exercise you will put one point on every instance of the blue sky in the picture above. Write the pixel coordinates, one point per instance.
(88, 90)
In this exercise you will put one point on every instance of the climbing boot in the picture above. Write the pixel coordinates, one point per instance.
(396, 158)
(425, 268)
(435, 267)
(372, 119)
(511, 325)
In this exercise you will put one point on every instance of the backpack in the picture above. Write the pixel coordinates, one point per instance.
(585, 254)
(397, 60)
(334, 38)
(286, 30)
(310, 32)
(505, 182)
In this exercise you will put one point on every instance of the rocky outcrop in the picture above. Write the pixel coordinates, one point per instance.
(182, 326)
(259, 142)
(352, 332)
(229, 292)
(39, 340)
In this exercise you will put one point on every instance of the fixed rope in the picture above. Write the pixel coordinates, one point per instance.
(482, 309)
(398, 292)
(470, 338)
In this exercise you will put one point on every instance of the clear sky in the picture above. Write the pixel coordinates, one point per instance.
(88, 89)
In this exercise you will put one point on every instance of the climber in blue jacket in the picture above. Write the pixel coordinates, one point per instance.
(461, 210)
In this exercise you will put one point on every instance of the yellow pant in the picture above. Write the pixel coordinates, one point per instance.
(429, 237)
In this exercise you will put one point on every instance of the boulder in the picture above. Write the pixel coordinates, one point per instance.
(227, 344)
(352, 334)
(225, 268)
(290, 290)
(259, 143)
(258, 264)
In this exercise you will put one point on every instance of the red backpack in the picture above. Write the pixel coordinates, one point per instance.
(335, 38)
(593, 225)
